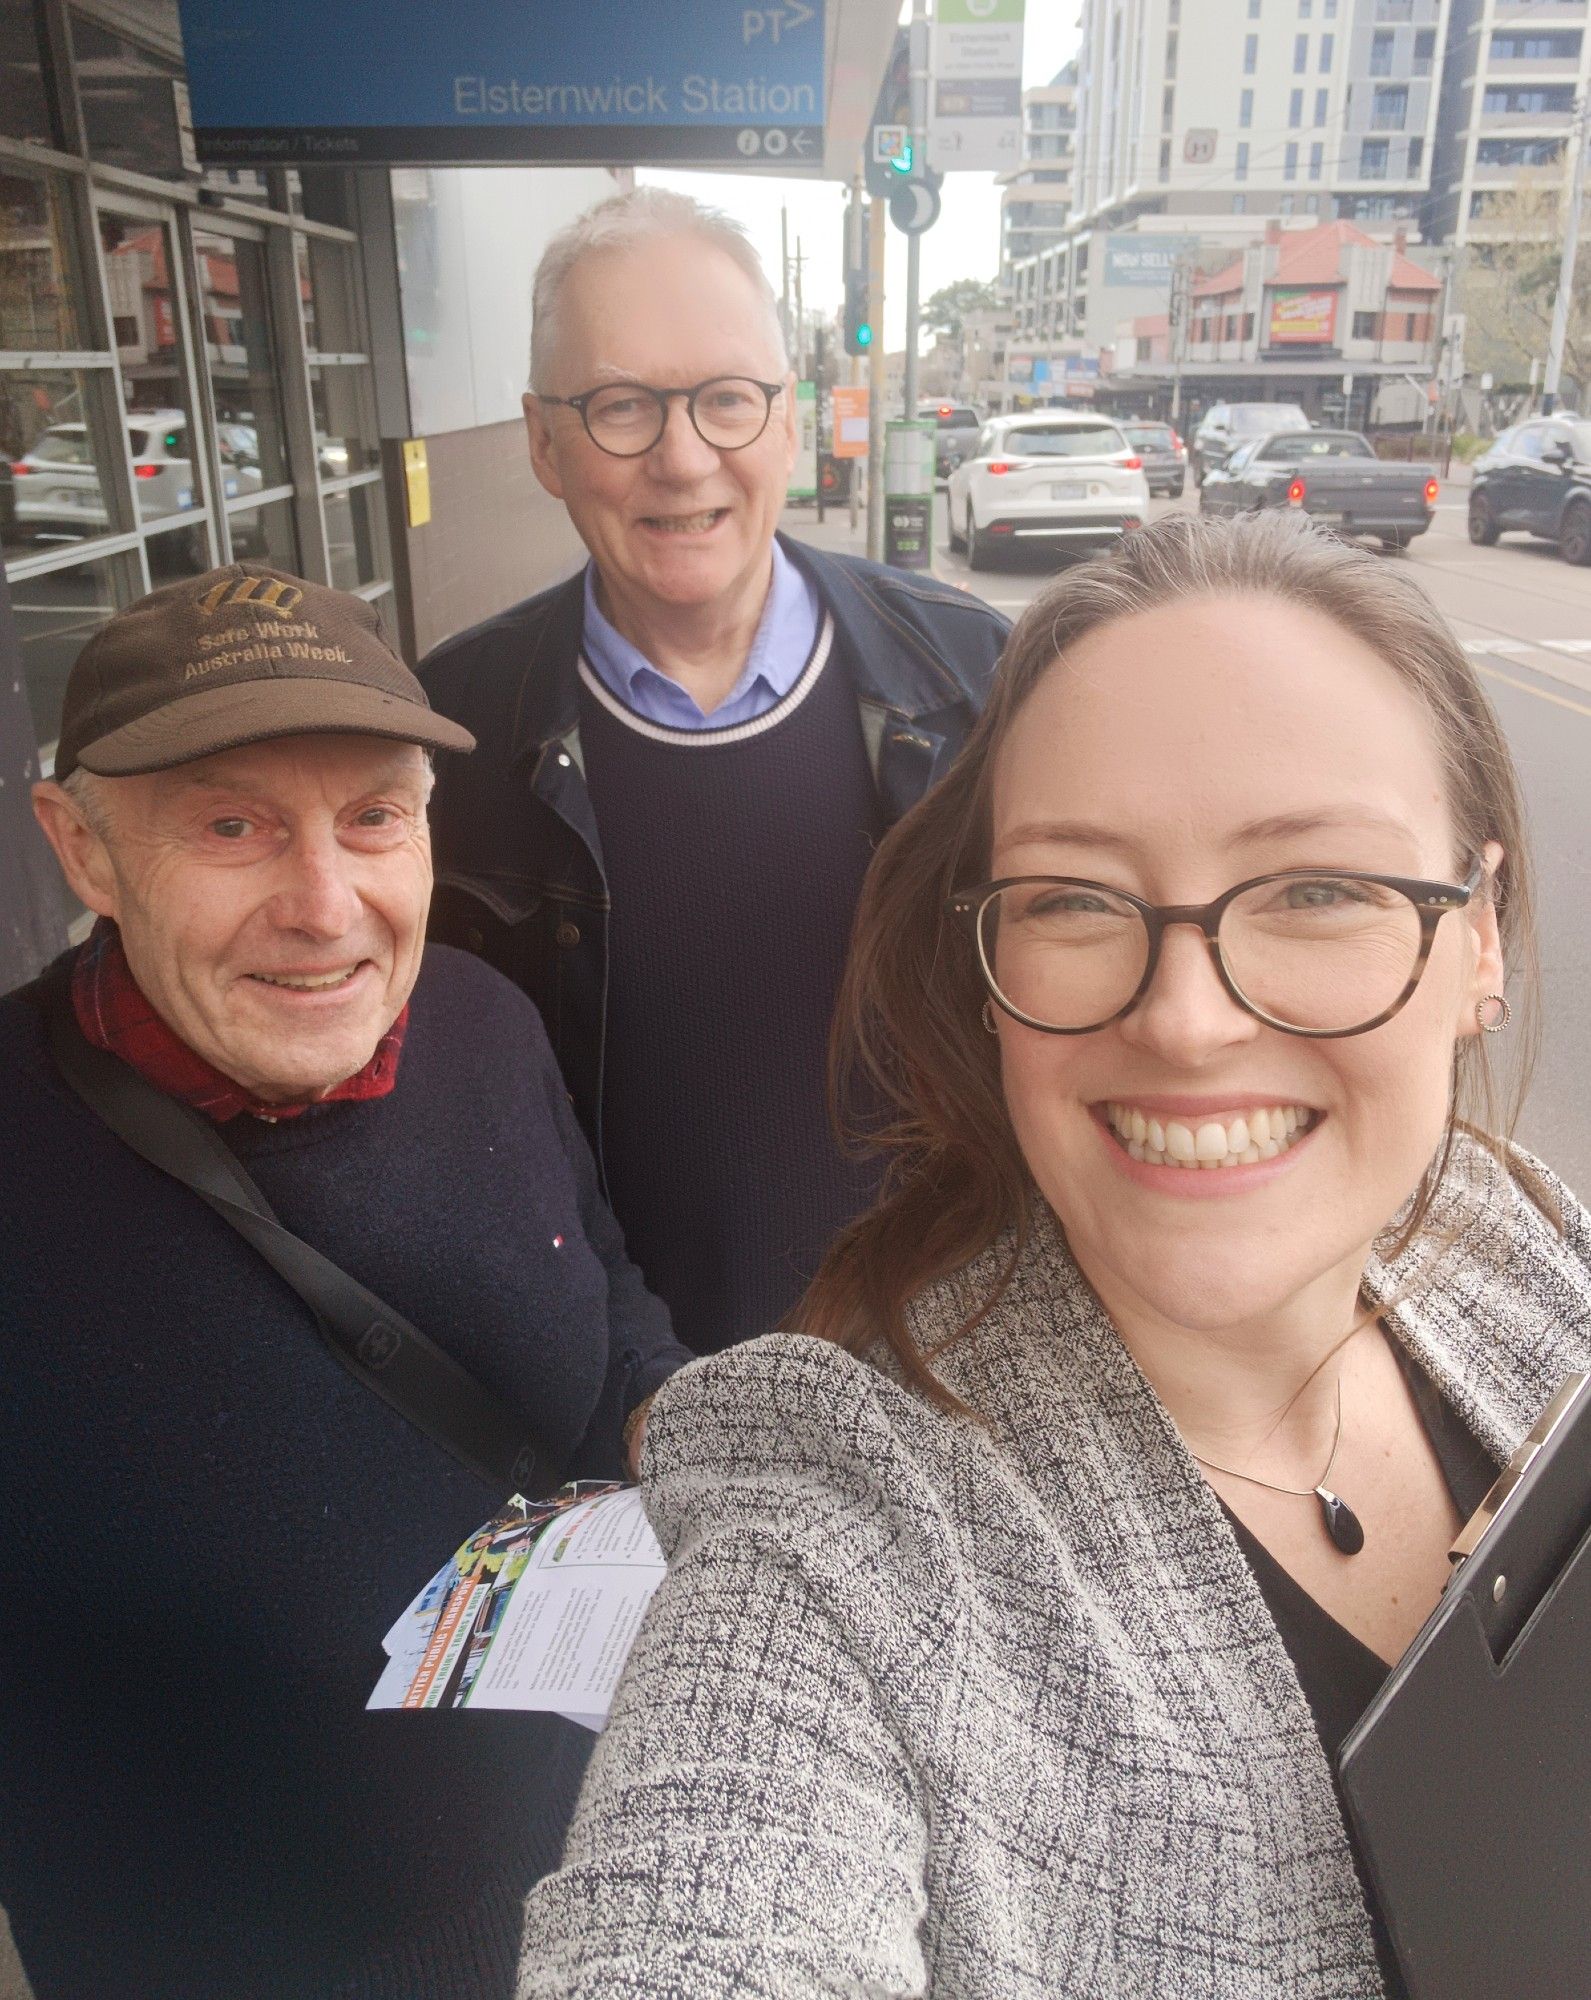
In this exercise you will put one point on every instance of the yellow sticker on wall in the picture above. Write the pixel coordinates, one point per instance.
(417, 478)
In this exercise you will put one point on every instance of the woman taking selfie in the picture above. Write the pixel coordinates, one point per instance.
(1012, 1621)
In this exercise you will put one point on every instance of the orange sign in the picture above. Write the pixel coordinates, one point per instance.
(850, 423)
(1301, 318)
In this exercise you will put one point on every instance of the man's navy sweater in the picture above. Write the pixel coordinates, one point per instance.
(206, 1525)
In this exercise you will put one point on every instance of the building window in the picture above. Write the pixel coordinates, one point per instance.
(1295, 110)
(1312, 204)
(1253, 9)
(1394, 10)
(1532, 100)
(1290, 161)
(1245, 110)
(1517, 152)
(1165, 159)
(1416, 155)
(1364, 326)
(1424, 50)
(1300, 54)
(1389, 108)
(1168, 102)
(1248, 326)
(1381, 52)
(1536, 47)
(1241, 171)
(1317, 155)
(1373, 160)
(1251, 53)
(1240, 204)
(1284, 204)
(1171, 53)
(1327, 43)
(1322, 99)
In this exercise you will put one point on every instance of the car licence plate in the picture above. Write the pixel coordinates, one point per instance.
(1329, 520)
(1068, 489)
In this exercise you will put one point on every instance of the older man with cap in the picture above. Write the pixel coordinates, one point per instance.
(221, 1482)
(688, 752)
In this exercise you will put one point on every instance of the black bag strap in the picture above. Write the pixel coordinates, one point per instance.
(401, 1364)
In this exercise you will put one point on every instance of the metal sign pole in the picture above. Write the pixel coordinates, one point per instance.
(918, 44)
(1571, 236)
(876, 382)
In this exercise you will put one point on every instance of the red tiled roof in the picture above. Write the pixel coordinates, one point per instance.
(1315, 258)
(1228, 279)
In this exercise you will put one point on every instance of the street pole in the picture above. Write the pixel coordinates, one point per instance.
(919, 116)
(784, 282)
(1571, 237)
(856, 218)
(877, 223)
(800, 320)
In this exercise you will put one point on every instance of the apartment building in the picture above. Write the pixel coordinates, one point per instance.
(1198, 120)
(1036, 198)
(1513, 73)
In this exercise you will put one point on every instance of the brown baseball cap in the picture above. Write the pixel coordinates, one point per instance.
(241, 655)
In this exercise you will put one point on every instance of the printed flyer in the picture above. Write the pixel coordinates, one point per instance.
(536, 1611)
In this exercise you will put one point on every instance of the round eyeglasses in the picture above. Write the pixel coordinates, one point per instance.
(1322, 953)
(626, 419)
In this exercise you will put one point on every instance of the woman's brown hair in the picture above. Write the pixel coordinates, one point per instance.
(909, 1044)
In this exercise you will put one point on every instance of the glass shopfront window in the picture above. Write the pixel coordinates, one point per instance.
(344, 403)
(356, 536)
(266, 534)
(41, 276)
(130, 99)
(55, 470)
(240, 353)
(56, 614)
(147, 322)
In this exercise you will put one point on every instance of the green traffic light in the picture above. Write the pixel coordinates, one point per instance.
(902, 162)
(864, 335)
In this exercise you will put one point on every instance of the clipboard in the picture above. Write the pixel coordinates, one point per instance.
(1468, 1778)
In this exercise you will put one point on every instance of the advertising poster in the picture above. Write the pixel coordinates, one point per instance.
(804, 473)
(1302, 318)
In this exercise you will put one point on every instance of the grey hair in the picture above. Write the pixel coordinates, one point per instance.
(87, 793)
(621, 223)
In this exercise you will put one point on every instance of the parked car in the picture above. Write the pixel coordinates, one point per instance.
(1064, 479)
(1164, 454)
(1224, 426)
(1537, 477)
(56, 487)
(1334, 477)
(956, 432)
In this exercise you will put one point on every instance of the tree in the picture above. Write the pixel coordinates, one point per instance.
(946, 312)
(1509, 282)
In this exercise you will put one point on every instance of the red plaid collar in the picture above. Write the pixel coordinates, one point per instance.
(113, 1014)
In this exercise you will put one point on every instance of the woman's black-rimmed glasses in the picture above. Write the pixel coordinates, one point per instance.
(626, 419)
(1316, 952)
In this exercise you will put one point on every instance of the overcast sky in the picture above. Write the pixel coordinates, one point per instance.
(963, 243)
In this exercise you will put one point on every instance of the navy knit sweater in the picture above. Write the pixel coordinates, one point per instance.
(206, 1525)
(734, 858)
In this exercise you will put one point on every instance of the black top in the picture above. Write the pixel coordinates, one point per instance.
(207, 1524)
(735, 858)
(1339, 1673)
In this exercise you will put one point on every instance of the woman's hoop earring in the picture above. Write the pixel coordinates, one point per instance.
(1499, 1021)
(990, 1024)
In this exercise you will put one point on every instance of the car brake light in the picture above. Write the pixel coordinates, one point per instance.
(998, 465)
(146, 471)
(18, 468)
(1176, 442)
(1133, 464)
(1431, 491)
(1296, 492)
(1001, 528)
(944, 409)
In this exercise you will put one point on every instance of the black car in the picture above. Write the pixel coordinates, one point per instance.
(1536, 477)
(1225, 426)
(1164, 455)
(956, 429)
(1334, 477)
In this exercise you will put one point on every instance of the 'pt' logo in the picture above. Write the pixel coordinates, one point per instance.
(268, 592)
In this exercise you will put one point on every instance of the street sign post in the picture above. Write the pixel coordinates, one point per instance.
(388, 82)
(914, 206)
(975, 119)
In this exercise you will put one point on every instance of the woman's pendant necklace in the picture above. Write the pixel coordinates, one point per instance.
(1342, 1523)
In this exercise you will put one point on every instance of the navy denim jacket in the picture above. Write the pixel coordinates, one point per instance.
(519, 876)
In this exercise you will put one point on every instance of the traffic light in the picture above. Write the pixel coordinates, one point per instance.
(858, 327)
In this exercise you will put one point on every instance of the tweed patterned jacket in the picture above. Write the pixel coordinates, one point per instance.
(927, 1709)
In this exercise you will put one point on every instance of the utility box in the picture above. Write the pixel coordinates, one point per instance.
(909, 494)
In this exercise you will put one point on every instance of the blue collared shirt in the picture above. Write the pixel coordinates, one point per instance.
(786, 634)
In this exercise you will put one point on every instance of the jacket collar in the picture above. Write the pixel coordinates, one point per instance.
(891, 664)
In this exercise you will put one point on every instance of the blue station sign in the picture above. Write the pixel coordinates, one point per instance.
(408, 82)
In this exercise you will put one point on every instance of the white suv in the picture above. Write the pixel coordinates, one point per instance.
(56, 490)
(1066, 478)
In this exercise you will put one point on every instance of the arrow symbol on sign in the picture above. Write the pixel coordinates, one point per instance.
(800, 143)
(796, 15)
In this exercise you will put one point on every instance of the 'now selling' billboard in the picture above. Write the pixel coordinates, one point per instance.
(1302, 318)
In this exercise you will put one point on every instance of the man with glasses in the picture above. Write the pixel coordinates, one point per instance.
(688, 753)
